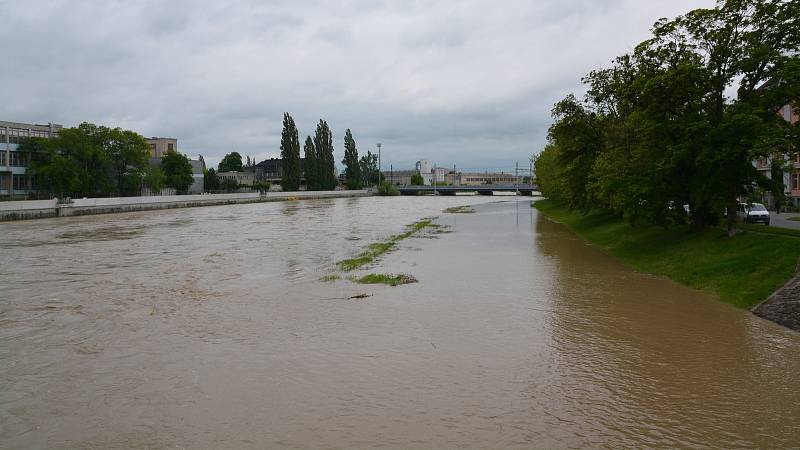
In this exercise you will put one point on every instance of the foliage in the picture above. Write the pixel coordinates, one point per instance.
(416, 179)
(211, 180)
(177, 170)
(88, 160)
(742, 270)
(377, 249)
(352, 171)
(290, 155)
(155, 179)
(387, 189)
(311, 165)
(368, 165)
(262, 186)
(656, 129)
(229, 185)
(325, 170)
(232, 162)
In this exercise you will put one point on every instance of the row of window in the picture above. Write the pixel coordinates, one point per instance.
(18, 182)
(15, 159)
(796, 181)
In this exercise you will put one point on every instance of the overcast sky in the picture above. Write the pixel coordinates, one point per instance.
(464, 82)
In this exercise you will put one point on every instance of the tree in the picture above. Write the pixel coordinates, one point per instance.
(210, 180)
(326, 170)
(290, 155)
(232, 162)
(369, 169)
(177, 170)
(229, 185)
(54, 172)
(154, 178)
(128, 152)
(416, 179)
(352, 171)
(311, 166)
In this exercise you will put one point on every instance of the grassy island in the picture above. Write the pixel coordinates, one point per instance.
(742, 270)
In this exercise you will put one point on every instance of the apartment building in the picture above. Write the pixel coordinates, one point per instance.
(159, 146)
(14, 181)
(791, 177)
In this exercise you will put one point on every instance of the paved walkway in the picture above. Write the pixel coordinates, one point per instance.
(781, 220)
(783, 306)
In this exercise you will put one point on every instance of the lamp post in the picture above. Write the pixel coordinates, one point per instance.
(379, 163)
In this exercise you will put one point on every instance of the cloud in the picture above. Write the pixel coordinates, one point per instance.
(466, 82)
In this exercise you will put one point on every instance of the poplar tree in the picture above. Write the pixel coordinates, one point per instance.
(311, 165)
(323, 142)
(290, 155)
(352, 171)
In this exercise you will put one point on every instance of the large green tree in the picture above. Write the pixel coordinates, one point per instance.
(326, 169)
(232, 162)
(290, 155)
(311, 165)
(129, 153)
(352, 171)
(210, 180)
(177, 170)
(368, 165)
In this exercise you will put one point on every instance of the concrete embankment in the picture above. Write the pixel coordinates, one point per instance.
(783, 306)
(37, 209)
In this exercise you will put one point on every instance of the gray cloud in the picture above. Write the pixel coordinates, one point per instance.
(465, 82)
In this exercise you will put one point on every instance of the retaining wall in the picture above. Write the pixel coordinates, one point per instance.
(20, 210)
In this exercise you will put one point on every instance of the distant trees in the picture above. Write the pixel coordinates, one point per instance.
(290, 155)
(311, 165)
(352, 171)
(88, 160)
(326, 169)
(177, 171)
(232, 162)
(368, 165)
(656, 130)
(211, 180)
(416, 179)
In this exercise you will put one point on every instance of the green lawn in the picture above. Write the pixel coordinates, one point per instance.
(743, 270)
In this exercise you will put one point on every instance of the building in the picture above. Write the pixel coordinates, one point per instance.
(791, 176)
(198, 175)
(14, 181)
(399, 177)
(159, 146)
(242, 178)
(271, 170)
(475, 179)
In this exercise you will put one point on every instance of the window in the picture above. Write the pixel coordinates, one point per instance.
(17, 159)
(2, 158)
(19, 182)
(170, 147)
(796, 181)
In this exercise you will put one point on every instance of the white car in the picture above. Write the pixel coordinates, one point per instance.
(753, 213)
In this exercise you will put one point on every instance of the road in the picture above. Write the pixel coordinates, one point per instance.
(782, 220)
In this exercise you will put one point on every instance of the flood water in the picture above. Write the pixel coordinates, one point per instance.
(210, 328)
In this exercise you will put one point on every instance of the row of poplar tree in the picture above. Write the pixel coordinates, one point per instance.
(661, 128)
(318, 167)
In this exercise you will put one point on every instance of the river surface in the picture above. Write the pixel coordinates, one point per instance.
(210, 328)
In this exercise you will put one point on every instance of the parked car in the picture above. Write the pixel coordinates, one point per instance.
(753, 213)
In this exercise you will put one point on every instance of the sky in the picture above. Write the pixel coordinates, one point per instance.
(465, 83)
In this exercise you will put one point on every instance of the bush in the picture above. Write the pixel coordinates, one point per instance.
(387, 189)
(262, 186)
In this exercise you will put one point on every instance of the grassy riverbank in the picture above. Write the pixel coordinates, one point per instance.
(743, 270)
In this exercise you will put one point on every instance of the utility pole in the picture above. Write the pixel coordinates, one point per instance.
(391, 174)
(516, 177)
(434, 180)
(380, 174)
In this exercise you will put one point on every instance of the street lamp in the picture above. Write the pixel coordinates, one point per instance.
(379, 163)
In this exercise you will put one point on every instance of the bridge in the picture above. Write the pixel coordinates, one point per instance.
(484, 189)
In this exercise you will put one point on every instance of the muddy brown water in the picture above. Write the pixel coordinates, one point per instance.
(210, 328)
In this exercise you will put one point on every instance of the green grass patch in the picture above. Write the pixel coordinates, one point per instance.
(332, 277)
(743, 270)
(374, 251)
(758, 228)
(389, 279)
(466, 209)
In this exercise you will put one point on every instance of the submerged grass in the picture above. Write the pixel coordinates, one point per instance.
(377, 249)
(466, 209)
(332, 277)
(743, 270)
(389, 279)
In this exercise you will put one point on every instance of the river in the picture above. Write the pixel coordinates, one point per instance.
(210, 328)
